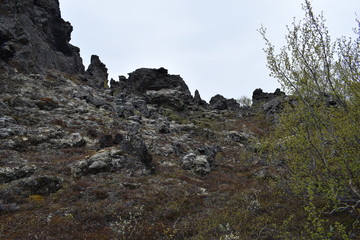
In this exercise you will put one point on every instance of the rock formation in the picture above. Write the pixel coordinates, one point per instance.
(97, 73)
(221, 103)
(34, 38)
(268, 103)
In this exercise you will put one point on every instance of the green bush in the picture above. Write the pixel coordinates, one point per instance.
(318, 133)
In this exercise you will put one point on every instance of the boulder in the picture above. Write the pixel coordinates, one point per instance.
(200, 161)
(108, 140)
(42, 185)
(131, 156)
(8, 174)
(221, 103)
(198, 164)
(136, 146)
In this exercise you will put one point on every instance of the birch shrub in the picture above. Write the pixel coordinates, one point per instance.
(318, 135)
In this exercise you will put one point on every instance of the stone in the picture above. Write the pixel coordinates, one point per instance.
(136, 146)
(172, 98)
(96, 101)
(98, 166)
(38, 40)
(97, 73)
(260, 97)
(106, 141)
(198, 100)
(76, 140)
(8, 174)
(221, 103)
(110, 160)
(210, 153)
(268, 103)
(9, 127)
(145, 79)
(196, 163)
(237, 136)
(41, 185)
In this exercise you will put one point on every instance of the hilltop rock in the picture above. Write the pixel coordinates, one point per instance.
(145, 79)
(268, 103)
(157, 86)
(259, 96)
(34, 38)
(97, 73)
(198, 100)
(221, 103)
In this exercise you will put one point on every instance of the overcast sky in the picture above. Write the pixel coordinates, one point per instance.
(213, 44)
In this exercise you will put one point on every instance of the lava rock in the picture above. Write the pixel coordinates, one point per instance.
(198, 100)
(97, 73)
(221, 103)
(198, 164)
(145, 79)
(39, 38)
(176, 100)
(108, 140)
(136, 146)
(8, 174)
(268, 103)
(42, 185)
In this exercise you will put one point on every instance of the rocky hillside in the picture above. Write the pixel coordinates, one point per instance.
(142, 159)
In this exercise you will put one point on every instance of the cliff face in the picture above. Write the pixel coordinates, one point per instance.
(34, 37)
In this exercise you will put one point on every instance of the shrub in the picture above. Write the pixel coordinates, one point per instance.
(318, 134)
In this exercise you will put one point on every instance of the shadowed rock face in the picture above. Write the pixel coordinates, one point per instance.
(221, 103)
(145, 79)
(97, 73)
(34, 37)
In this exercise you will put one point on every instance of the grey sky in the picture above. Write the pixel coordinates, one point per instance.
(212, 44)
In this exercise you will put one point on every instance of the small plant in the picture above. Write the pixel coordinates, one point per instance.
(244, 101)
(36, 198)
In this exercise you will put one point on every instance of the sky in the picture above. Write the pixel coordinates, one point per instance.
(213, 45)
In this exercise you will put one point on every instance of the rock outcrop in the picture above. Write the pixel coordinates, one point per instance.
(97, 73)
(34, 38)
(221, 103)
(157, 86)
(198, 100)
(268, 103)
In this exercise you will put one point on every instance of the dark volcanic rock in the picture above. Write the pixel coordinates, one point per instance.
(145, 79)
(198, 100)
(108, 140)
(34, 37)
(268, 103)
(97, 73)
(8, 174)
(158, 87)
(260, 97)
(172, 98)
(43, 185)
(221, 103)
(136, 146)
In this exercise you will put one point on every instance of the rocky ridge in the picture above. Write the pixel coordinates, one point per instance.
(76, 154)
